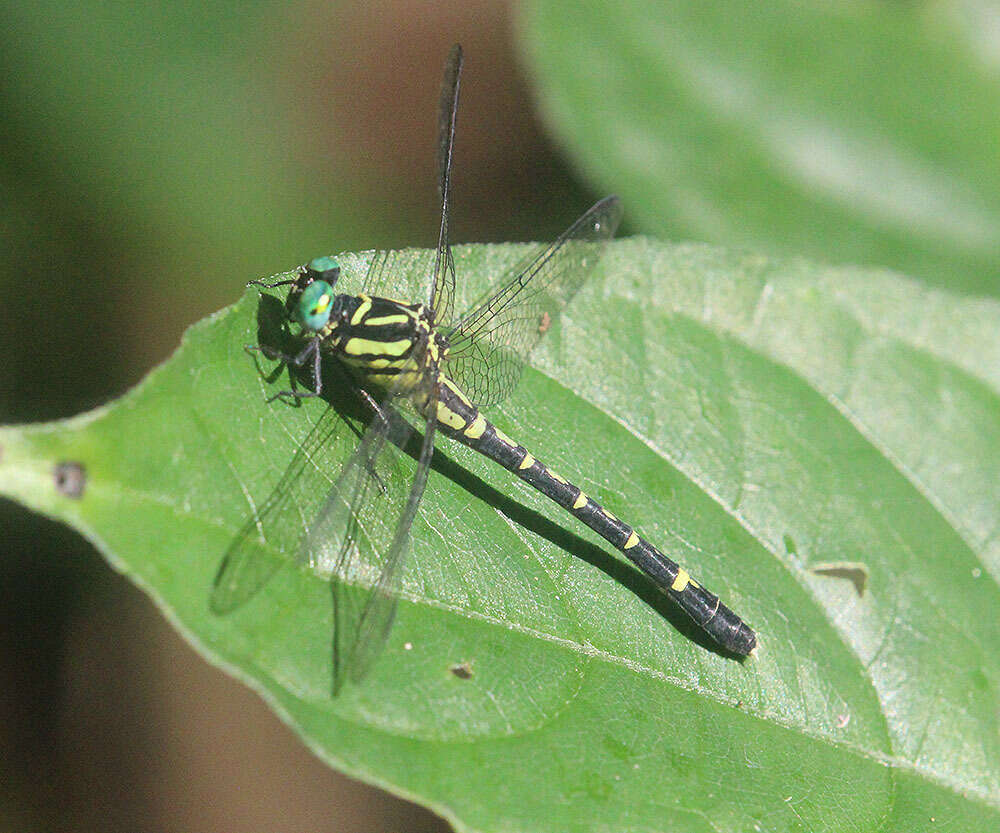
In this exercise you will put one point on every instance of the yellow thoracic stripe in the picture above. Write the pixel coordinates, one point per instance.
(362, 310)
(399, 318)
(364, 346)
(382, 364)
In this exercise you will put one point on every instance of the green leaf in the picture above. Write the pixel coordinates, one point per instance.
(782, 429)
(846, 132)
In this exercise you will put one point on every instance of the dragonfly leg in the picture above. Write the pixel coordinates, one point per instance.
(267, 285)
(298, 359)
(373, 406)
(382, 415)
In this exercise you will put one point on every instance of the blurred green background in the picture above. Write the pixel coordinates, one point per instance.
(154, 158)
(157, 156)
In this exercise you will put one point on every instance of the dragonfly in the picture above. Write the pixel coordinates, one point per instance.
(396, 353)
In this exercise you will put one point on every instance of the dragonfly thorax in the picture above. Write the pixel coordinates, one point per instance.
(383, 340)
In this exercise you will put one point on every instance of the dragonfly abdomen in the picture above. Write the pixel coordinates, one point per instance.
(462, 421)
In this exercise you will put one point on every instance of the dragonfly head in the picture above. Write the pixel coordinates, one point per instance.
(311, 300)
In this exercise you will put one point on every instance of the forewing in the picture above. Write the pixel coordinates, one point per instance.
(361, 537)
(273, 532)
(442, 291)
(380, 608)
(491, 342)
(381, 269)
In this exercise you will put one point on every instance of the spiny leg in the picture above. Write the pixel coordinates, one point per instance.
(297, 360)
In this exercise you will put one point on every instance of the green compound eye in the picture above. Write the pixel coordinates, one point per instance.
(324, 268)
(313, 308)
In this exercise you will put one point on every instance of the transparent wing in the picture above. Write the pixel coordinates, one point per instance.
(382, 277)
(378, 267)
(491, 342)
(381, 272)
(276, 526)
(273, 532)
(442, 292)
(361, 536)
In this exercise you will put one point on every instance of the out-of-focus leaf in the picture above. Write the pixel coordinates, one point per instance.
(778, 427)
(847, 132)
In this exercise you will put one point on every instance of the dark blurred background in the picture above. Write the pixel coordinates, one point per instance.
(153, 158)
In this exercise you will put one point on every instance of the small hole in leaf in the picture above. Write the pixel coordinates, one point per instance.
(462, 670)
(70, 479)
